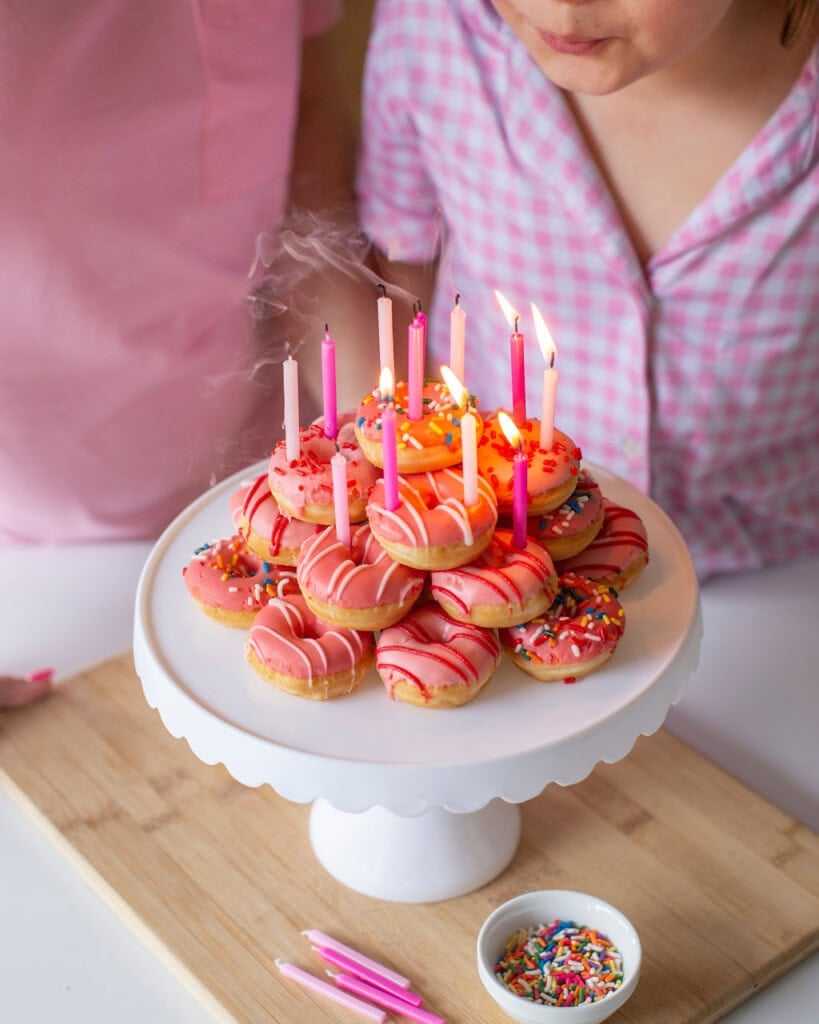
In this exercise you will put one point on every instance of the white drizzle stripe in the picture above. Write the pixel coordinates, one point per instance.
(259, 628)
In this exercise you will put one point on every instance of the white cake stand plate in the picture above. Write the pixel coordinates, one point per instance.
(412, 804)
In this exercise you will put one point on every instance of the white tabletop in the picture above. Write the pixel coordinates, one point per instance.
(752, 707)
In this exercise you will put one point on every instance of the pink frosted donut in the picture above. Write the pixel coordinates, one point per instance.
(268, 531)
(576, 635)
(551, 475)
(360, 587)
(503, 586)
(432, 528)
(230, 583)
(291, 647)
(433, 661)
(619, 552)
(303, 489)
(567, 530)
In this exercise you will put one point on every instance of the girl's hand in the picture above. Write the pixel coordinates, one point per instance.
(16, 690)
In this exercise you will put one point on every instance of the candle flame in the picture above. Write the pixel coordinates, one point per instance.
(458, 390)
(511, 432)
(386, 385)
(544, 337)
(508, 309)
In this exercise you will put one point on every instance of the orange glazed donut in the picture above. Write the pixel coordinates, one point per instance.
(567, 530)
(231, 583)
(578, 633)
(551, 476)
(291, 647)
(303, 488)
(268, 531)
(433, 442)
(433, 661)
(505, 585)
(619, 552)
(432, 528)
(360, 587)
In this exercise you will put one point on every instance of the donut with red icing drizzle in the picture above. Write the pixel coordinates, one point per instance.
(503, 586)
(578, 633)
(432, 528)
(433, 661)
(301, 654)
(433, 442)
(566, 530)
(268, 531)
(303, 488)
(551, 475)
(231, 583)
(619, 552)
(358, 586)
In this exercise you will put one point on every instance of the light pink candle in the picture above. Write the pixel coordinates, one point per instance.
(398, 1006)
(549, 398)
(328, 384)
(457, 338)
(337, 995)
(318, 938)
(291, 408)
(469, 456)
(386, 347)
(389, 447)
(338, 467)
(415, 370)
(332, 956)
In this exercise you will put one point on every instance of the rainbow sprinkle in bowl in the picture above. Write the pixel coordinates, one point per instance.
(558, 956)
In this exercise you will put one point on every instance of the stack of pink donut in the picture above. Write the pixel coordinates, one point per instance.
(434, 590)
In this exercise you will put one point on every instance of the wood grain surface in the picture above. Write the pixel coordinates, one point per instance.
(220, 879)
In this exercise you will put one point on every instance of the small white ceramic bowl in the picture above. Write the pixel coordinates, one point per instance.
(542, 907)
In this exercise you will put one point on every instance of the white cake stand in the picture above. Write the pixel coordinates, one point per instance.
(412, 804)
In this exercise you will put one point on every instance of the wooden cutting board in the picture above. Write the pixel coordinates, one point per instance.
(722, 886)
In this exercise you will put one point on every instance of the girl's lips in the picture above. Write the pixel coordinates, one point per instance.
(575, 45)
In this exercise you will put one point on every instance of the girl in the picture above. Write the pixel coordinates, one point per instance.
(646, 172)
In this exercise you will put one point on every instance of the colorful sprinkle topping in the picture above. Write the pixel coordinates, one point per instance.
(561, 964)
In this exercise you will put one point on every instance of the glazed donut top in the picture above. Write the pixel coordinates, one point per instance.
(438, 428)
(576, 514)
(254, 508)
(226, 574)
(584, 620)
(545, 469)
(431, 510)
(287, 635)
(432, 651)
(360, 576)
(501, 574)
(309, 479)
(621, 539)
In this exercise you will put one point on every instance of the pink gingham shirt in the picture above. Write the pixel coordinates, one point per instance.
(696, 377)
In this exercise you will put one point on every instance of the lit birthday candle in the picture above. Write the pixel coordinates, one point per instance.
(291, 408)
(338, 467)
(389, 442)
(520, 482)
(386, 348)
(547, 411)
(516, 343)
(457, 338)
(328, 384)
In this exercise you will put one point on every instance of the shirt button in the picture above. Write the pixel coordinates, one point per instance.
(631, 448)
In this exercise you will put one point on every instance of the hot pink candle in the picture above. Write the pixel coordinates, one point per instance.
(328, 383)
(398, 1006)
(291, 408)
(332, 956)
(389, 445)
(338, 467)
(516, 344)
(415, 370)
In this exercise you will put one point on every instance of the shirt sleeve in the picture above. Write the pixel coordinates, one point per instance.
(320, 15)
(398, 202)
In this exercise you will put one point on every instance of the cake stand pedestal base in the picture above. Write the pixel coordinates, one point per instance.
(436, 855)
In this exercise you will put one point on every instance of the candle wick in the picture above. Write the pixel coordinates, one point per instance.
(383, 289)
(552, 361)
(517, 318)
(458, 299)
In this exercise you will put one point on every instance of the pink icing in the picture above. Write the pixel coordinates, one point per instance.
(308, 479)
(501, 575)
(362, 576)
(584, 621)
(432, 651)
(621, 540)
(289, 637)
(545, 469)
(432, 512)
(224, 574)
(575, 515)
(254, 508)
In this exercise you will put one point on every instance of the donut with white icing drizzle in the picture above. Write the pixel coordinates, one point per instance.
(268, 531)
